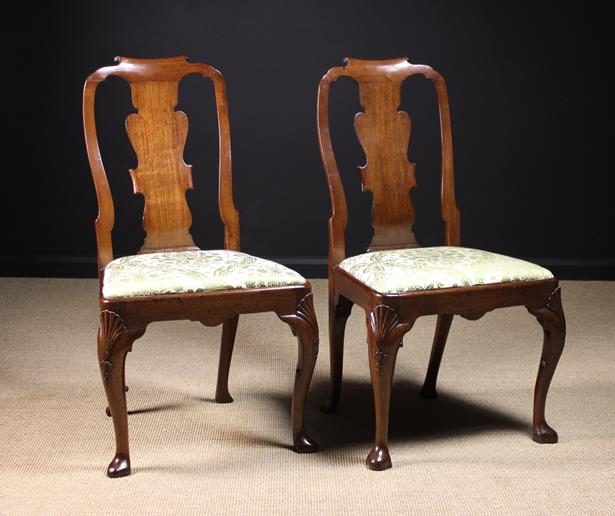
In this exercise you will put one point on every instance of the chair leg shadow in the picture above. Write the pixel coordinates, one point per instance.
(412, 417)
(156, 408)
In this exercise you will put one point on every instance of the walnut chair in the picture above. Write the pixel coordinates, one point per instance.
(396, 281)
(171, 278)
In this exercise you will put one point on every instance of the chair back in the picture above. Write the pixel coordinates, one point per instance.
(158, 133)
(384, 134)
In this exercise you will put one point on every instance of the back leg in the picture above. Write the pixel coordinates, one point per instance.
(439, 343)
(338, 315)
(229, 330)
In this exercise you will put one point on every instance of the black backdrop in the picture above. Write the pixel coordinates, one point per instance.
(529, 104)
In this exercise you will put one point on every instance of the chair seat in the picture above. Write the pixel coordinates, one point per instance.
(430, 268)
(192, 271)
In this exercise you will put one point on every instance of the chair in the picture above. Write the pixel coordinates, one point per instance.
(396, 281)
(171, 278)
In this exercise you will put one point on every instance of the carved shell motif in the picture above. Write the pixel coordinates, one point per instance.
(305, 312)
(383, 321)
(111, 329)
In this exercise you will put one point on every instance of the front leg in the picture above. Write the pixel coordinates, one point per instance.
(384, 336)
(303, 324)
(114, 342)
(551, 318)
(107, 409)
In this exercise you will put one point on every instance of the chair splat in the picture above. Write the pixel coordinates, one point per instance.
(384, 134)
(158, 135)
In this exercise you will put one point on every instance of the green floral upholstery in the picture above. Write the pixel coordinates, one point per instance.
(429, 268)
(192, 271)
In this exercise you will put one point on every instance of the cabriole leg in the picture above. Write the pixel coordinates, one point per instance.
(384, 337)
(303, 324)
(114, 342)
(551, 318)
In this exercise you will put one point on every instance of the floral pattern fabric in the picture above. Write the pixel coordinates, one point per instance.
(429, 268)
(192, 271)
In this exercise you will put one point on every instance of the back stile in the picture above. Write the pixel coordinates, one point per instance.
(339, 210)
(228, 213)
(106, 212)
(448, 203)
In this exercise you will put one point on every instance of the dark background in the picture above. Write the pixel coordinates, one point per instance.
(530, 109)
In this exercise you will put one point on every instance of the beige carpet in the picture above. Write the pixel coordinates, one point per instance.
(468, 452)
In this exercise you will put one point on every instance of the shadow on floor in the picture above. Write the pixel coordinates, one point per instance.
(157, 408)
(411, 417)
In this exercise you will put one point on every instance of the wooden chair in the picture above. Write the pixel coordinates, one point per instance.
(171, 278)
(396, 281)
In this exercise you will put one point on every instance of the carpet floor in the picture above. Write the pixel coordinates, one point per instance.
(467, 452)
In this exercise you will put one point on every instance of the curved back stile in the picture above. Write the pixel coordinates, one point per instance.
(384, 133)
(158, 134)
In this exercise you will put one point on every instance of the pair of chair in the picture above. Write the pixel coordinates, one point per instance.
(395, 282)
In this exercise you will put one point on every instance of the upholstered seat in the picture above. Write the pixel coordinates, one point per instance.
(430, 268)
(192, 271)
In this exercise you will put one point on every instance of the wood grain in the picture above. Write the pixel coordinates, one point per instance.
(384, 133)
(158, 135)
